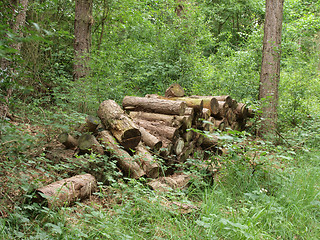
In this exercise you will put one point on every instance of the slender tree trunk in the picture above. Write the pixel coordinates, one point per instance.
(19, 9)
(82, 34)
(270, 68)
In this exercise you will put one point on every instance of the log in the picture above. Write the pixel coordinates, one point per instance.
(66, 191)
(196, 104)
(169, 120)
(175, 90)
(178, 146)
(67, 140)
(208, 125)
(150, 140)
(158, 129)
(147, 161)
(87, 143)
(209, 102)
(120, 125)
(223, 107)
(241, 111)
(154, 105)
(206, 113)
(209, 142)
(90, 125)
(225, 98)
(231, 116)
(171, 182)
(188, 135)
(219, 124)
(124, 161)
(234, 104)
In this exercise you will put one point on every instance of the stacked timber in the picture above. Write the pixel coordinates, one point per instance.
(146, 130)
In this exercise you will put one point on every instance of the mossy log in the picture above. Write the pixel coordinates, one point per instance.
(120, 125)
(147, 161)
(66, 191)
(90, 125)
(209, 142)
(154, 105)
(87, 143)
(125, 162)
(231, 116)
(67, 140)
(175, 90)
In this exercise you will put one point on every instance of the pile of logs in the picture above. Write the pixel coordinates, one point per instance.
(147, 128)
(145, 131)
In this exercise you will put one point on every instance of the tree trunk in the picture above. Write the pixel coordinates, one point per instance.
(270, 67)
(82, 38)
(121, 126)
(124, 161)
(19, 9)
(66, 191)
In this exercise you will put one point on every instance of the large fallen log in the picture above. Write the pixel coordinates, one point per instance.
(120, 125)
(124, 161)
(154, 105)
(66, 191)
(67, 140)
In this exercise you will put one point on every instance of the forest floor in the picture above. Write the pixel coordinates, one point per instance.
(267, 192)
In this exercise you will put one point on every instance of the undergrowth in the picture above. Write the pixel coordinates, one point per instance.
(262, 190)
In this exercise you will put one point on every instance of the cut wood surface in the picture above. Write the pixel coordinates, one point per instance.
(147, 161)
(178, 146)
(241, 111)
(125, 162)
(225, 98)
(154, 105)
(90, 125)
(209, 102)
(158, 129)
(175, 90)
(87, 143)
(67, 140)
(121, 126)
(66, 191)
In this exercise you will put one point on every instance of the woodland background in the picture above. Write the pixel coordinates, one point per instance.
(209, 47)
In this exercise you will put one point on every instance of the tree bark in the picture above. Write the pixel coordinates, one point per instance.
(148, 162)
(121, 126)
(150, 140)
(124, 161)
(209, 102)
(66, 191)
(82, 38)
(154, 105)
(270, 67)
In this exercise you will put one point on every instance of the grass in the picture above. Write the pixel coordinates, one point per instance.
(261, 192)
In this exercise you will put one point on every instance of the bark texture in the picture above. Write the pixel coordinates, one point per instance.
(270, 67)
(82, 37)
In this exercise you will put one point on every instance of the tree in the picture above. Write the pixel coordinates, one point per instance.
(16, 21)
(82, 33)
(270, 67)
